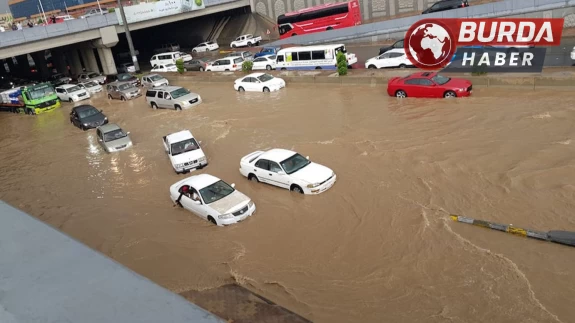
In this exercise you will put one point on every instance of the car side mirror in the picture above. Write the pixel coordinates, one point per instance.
(101, 110)
(128, 133)
(100, 139)
(233, 185)
(306, 157)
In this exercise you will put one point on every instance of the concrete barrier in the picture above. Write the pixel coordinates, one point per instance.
(380, 78)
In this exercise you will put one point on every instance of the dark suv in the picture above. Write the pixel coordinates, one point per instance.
(397, 44)
(446, 5)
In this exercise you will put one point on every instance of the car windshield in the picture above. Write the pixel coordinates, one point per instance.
(114, 135)
(184, 146)
(124, 76)
(90, 84)
(294, 163)
(125, 86)
(440, 79)
(91, 75)
(265, 78)
(216, 191)
(155, 77)
(179, 92)
(39, 93)
(210, 43)
(85, 113)
(73, 89)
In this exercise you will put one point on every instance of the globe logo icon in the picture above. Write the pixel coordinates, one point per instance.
(429, 45)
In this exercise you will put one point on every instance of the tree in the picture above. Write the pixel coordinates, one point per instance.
(247, 66)
(341, 63)
(180, 65)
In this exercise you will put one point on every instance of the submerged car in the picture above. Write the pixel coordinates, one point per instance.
(91, 86)
(92, 76)
(123, 91)
(259, 82)
(87, 117)
(197, 64)
(392, 58)
(287, 169)
(206, 47)
(71, 93)
(154, 80)
(165, 68)
(212, 199)
(172, 97)
(124, 78)
(112, 138)
(428, 85)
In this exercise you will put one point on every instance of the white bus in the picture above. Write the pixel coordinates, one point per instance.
(312, 57)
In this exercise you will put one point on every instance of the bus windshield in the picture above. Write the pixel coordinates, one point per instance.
(40, 92)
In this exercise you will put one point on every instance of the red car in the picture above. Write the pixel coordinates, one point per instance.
(428, 85)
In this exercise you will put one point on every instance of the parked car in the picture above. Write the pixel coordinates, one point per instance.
(165, 68)
(226, 64)
(92, 76)
(246, 40)
(428, 85)
(91, 86)
(123, 91)
(265, 63)
(184, 152)
(64, 18)
(126, 68)
(206, 47)
(172, 97)
(71, 93)
(94, 12)
(87, 117)
(112, 138)
(246, 55)
(127, 77)
(212, 199)
(444, 5)
(59, 79)
(287, 169)
(169, 47)
(396, 45)
(267, 51)
(197, 64)
(392, 58)
(154, 80)
(259, 82)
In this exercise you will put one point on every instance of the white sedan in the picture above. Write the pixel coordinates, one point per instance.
(265, 63)
(206, 47)
(212, 199)
(259, 82)
(287, 169)
(165, 68)
(91, 86)
(392, 58)
(71, 93)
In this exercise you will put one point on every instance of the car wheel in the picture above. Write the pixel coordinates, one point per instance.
(211, 219)
(241, 89)
(266, 89)
(70, 100)
(201, 69)
(122, 98)
(253, 178)
(329, 28)
(109, 97)
(372, 67)
(83, 128)
(294, 34)
(194, 51)
(233, 46)
(268, 67)
(250, 45)
(296, 189)
(29, 112)
(227, 70)
(449, 94)
(402, 66)
(154, 106)
(283, 68)
(400, 94)
(177, 107)
(318, 67)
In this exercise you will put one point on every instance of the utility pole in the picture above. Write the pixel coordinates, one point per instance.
(43, 13)
(129, 37)
(99, 7)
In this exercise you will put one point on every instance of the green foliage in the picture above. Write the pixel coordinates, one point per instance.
(180, 65)
(247, 66)
(478, 70)
(110, 10)
(341, 63)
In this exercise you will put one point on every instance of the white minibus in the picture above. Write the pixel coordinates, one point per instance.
(312, 57)
(169, 58)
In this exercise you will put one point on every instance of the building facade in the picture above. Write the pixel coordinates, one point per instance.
(28, 8)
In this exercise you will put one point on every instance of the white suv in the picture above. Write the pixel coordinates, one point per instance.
(233, 63)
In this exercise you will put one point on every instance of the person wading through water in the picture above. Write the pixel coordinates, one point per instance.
(185, 190)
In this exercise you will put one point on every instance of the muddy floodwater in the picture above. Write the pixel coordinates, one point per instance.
(377, 247)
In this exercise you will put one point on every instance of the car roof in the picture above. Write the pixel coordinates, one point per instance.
(66, 86)
(168, 88)
(396, 50)
(123, 82)
(254, 75)
(200, 181)
(423, 74)
(277, 154)
(109, 127)
(83, 107)
(180, 135)
(229, 57)
(166, 53)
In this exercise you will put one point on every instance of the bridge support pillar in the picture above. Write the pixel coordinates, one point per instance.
(107, 60)
(23, 67)
(90, 59)
(59, 59)
(75, 63)
(40, 62)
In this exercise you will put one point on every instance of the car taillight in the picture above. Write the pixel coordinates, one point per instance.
(234, 66)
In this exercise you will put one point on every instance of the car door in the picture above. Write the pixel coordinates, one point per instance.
(114, 92)
(192, 206)
(427, 88)
(411, 87)
(254, 84)
(383, 60)
(259, 63)
(261, 170)
(277, 175)
(160, 101)
(75, 119)
(100, 137)
(60, 93)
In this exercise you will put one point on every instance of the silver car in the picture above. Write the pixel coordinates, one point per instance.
(122, 91)
(172, 97)
(91, 76)
(113, 138)
(154, 80)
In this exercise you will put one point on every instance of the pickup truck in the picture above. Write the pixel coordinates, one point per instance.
(184, 152)
(246, 40)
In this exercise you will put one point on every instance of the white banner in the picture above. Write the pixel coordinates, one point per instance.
(154, 10)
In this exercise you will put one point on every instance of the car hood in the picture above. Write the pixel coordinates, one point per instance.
(188, 156)
(458, 83)
(118, 142)
(160, 81)
(98, 78)
(230, 203)
(130, 90)
(313, 173)
(77, 92)
(275, 81)
(95, 87)
(95, 118)
(187, 97)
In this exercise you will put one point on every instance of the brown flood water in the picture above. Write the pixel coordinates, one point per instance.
(377, 247)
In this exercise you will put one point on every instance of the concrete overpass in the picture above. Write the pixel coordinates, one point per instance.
(81, 36)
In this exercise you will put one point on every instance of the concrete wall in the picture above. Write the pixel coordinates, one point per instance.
(396, 28)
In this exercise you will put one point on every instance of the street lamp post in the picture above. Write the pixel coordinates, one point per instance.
(129, 37)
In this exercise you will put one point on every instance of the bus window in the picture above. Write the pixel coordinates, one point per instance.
(318, 54)
(304, 56)
(280, 58)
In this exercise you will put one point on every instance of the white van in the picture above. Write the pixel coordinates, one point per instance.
(312, 57)
(169, 58)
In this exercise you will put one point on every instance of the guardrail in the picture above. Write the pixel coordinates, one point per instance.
(397, 26)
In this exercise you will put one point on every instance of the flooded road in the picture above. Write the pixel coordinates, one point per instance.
(378, 246)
